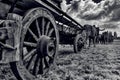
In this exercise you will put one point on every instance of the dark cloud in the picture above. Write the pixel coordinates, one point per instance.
(106, 10)
(109, 26)
(89, 16)
(115, 15)
(74, 7)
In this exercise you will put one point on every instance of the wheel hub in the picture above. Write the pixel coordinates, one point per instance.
(45, 46)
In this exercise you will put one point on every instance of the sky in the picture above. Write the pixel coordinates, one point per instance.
(102, 13)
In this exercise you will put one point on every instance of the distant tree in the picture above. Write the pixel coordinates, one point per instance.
(115, 35)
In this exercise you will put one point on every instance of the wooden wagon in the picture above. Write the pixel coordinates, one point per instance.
(30, 33)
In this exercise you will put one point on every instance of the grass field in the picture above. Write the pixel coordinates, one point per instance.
(95, 63)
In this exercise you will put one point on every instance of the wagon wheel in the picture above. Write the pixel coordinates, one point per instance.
(38, 46)
(79, 41)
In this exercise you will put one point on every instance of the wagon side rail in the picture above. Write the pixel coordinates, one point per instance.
(60, 16)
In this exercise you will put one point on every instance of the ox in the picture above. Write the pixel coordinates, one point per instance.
(110, 37)
(92, 33)
(106, 37)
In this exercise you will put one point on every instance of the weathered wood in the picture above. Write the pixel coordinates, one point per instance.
(10, 47)
(39, 31)
(4, 8)
(3, 34)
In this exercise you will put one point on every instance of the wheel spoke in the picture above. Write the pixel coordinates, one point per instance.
(50, 32)
(43, 25)
(46, 63)
(33, 35)
(50, 56)
(29, 64)
(38, 28)
(50, 59)
(30, 44)
(47, 27)
(25, 51)
(29, 54)
(41, 66)
(35, 66)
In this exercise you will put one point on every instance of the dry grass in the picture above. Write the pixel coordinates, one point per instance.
(100, 63)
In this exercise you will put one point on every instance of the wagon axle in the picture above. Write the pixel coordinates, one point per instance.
(45, 46)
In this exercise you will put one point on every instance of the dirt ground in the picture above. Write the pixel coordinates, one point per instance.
(95, 63)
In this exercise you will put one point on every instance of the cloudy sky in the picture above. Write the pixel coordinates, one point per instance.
(103, 13)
